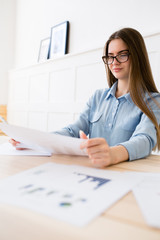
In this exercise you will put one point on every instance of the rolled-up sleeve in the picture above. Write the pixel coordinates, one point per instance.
(144, 138)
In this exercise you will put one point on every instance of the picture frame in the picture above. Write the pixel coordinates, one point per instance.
(44, 49)
(59, 40)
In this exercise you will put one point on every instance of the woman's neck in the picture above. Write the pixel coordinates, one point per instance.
(122, 88)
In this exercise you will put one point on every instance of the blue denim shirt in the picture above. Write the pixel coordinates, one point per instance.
(119, 121)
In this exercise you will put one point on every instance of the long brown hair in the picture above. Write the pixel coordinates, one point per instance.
(140, 76)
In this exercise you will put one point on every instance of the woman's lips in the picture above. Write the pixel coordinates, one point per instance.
(117, 69)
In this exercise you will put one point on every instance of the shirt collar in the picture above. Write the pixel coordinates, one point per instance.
(128, 97)
(112, 92)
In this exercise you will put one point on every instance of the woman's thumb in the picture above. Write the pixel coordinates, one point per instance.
(82, 135)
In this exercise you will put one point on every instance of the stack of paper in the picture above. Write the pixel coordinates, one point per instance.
(8, 149)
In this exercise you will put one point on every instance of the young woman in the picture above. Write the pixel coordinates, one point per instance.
(122, 122)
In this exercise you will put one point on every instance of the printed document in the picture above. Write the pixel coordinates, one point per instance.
(44, 141)
(69, 193)
(147, 194)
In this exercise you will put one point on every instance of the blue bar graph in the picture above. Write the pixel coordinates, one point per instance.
(100, 181)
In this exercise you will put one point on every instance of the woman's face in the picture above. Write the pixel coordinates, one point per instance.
(119, 70)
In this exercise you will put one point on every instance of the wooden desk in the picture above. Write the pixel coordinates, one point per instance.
(122, 221)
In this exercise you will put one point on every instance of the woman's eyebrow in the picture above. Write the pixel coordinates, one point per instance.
(125, 50)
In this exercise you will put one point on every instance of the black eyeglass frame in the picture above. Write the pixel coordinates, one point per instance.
(115, 57)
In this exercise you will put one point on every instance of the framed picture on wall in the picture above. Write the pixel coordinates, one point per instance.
(44, 50)
(59, 39)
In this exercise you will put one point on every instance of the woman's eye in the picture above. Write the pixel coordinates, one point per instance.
(122, 56)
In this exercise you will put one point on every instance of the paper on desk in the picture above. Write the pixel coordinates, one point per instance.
(147, 194)
(8, 149)
(70, 193)
(43, 141)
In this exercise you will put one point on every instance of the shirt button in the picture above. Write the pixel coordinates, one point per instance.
(109, 124)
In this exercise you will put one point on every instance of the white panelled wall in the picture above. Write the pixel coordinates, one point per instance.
(50, 95)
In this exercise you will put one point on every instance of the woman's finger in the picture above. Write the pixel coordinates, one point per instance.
(13, 142)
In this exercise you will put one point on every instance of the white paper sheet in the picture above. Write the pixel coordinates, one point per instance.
(8, 149)
(43, 141)
(70, 193)
(147, 194)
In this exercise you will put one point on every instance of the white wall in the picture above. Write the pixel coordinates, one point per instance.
(50, 95)
(7, 34)
(91, 22)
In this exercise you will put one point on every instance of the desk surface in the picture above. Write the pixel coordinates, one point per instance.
(123, 220)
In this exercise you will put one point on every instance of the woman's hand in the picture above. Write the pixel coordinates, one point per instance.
(15, 144)
(100, 153)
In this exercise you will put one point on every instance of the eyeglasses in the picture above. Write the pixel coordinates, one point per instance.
(121, 58)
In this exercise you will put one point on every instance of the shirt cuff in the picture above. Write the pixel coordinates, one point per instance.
(137, 148)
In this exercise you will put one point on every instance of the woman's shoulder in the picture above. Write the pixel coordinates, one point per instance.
(153, 99)
(155, 95)
(98, 96)
(101, 92)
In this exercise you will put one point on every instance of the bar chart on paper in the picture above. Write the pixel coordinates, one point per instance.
(74, 190)
(97, 182)
(66, 192)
